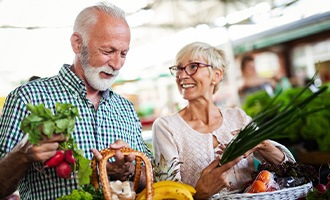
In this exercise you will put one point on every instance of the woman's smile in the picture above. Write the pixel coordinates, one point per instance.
(187, 86)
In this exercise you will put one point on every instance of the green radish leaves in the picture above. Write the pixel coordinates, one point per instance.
(42, 121)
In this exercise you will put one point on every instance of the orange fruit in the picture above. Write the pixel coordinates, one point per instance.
(257, 186)
(264, 176)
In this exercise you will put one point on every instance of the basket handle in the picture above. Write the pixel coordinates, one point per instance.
(106, 155)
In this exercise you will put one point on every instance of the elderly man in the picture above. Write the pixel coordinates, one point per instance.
(100, 42)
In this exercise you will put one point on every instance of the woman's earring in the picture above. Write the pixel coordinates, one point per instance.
(213, 83)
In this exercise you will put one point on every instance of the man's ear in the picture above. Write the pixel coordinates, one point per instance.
(76, 42)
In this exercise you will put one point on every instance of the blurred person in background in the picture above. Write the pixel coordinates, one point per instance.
(100, 41)
(193, 139)
(252, 82)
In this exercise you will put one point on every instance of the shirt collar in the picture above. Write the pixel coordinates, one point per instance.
(75, 84)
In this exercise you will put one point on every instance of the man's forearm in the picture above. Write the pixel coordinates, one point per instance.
(12, 169)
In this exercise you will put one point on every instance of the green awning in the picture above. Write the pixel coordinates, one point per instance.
(295, 30)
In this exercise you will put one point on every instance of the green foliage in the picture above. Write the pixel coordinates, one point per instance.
(273, 119)
(86, 192)
(97, 194)
(42, 119)
(314, 194)
(256, 102)
(77, 195)
(314, 126)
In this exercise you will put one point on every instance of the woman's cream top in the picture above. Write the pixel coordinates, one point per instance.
(175, 141)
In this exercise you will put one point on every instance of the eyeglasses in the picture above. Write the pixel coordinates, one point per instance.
(190, 68)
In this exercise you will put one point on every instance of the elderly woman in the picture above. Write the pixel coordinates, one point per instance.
(193, 139)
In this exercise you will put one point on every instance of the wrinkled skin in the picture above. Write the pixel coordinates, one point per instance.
(213, 179)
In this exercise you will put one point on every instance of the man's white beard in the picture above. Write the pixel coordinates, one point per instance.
(92, 73)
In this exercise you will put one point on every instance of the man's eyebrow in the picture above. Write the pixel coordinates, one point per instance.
(112, 48)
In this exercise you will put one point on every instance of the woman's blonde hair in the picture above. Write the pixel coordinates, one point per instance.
(212, 55)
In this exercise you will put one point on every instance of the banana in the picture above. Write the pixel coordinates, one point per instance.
(166, 183)
(169, 189)
(142, 195)
(171, 192)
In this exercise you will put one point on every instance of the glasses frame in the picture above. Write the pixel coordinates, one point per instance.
(199, 65)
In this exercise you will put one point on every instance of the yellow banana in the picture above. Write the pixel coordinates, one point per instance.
(190, 188)
(171, 192)
(142, 195)
(166, 183)
(161, 187)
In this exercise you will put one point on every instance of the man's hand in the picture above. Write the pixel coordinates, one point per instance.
(122, 167)
(39, 153)
(15, 164)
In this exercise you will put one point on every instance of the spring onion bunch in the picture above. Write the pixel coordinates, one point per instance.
(271, 122)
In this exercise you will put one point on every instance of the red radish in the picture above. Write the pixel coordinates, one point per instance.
(63, 170)
(320, 188)
(69, 157)
(55, 160)
(328, 184)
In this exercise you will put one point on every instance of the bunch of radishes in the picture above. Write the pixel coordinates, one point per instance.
(42, 122)
(63, 161)
(321, 188)
(320, 191)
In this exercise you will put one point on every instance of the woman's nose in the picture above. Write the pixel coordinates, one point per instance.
(181, 74)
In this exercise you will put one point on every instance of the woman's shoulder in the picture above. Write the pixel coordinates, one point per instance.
(235, 114)
(233, 111)
(167, 118)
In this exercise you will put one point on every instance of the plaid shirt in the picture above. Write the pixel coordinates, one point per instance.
(115, 119)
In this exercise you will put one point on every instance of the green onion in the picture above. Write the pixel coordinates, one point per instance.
(270, 123)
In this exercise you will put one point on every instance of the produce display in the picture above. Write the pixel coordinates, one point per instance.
(272, 121)
(69, 159)
(311, 130)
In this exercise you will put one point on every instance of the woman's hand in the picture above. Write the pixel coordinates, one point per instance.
(213, 179)
(122, 167)
(269, 152)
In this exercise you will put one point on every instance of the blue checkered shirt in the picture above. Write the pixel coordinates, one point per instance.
(115, 119)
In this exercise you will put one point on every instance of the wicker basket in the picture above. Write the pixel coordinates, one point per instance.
(102, 175)
(283, 194)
